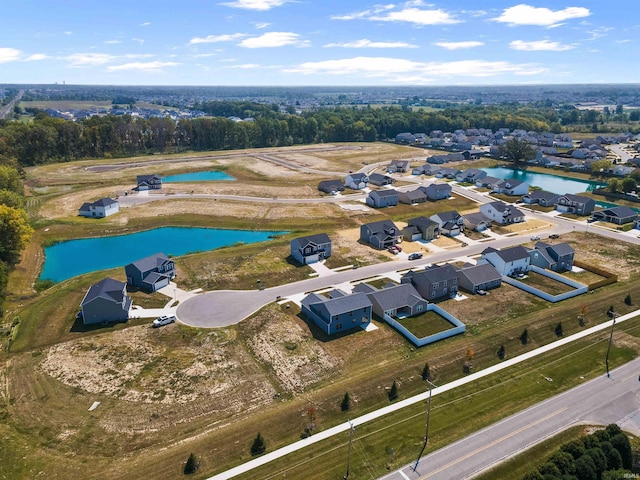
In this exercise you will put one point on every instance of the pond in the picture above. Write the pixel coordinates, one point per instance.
(75, 257)
(210, 176)
(549, 182)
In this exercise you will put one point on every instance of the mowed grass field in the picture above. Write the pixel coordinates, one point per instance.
(166, 393)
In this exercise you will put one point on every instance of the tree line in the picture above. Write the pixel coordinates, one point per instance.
(48, 139)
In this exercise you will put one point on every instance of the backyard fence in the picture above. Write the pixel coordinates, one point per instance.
(458, 327)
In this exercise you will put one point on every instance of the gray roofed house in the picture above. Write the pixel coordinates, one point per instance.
(380, 180)
(476, 221)
(331, 186)
(106, 301)
(310, 249)
(399, 166)
(340, 313)
(357, 181)
(397, 300)
(502, 213)
(437, 191)
(430, 169)
(412, 196)
(382, 198)
(618, 215)
(421, 228)
(541, 197)
(100, 208)
(471, 175)
(434, 282)
(488, 182)
(381, 234)
(449, 216)
(577, 204)
(508, 261)
(479, 277)
(511, 186)
(558, 257)
(149, 182)
(151, 273)
(449, 173)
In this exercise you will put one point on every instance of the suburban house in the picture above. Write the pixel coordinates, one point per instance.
(449, 173)
(430, 169)
(412, 196)
(405, 138)
(331, 186)
(380, 180)
(339, 312)
(476, 221)
(471, 175)
(451, 223)
(618, 215)
(357, 181)
(570, 203)
(483, 276)
(434, 282)
(100, 208)
(397, 301)
(399, 166)
(541, 197)
(106, 301)
(149, 182)
(312, 248)
(381, 234)
(382, 198)
(636, 223)
(450, 157)
(511, 186)
(488, 182)
(421, 228)
(419, 170)
(151, 273)
(501, 213)
(437, 191)
(558, 257)
(508, 261)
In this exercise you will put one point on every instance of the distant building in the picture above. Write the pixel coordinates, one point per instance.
(100, 208)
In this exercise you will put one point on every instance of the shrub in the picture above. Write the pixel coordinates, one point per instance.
(259, 446)
(192, 465)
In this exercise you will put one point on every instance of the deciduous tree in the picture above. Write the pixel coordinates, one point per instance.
(14, 232)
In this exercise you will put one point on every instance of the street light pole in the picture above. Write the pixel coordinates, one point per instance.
(606, 360)
(426, 432)
(346, 475)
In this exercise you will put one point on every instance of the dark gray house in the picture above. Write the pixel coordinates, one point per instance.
(149, 182)
(106, 301)
(479, 277)
(399, 166)
(381, 234)
(618, 215)
(382, 198)
(311, 248)
(541, 197)
(558, 257)
(437, 191)
(412, 196)
(434, 282)
(151, 273)
(476, 221)
(577, 204)
(380, 180)
(421, 228)
(331, 186)
(397, 300)
(339, 312)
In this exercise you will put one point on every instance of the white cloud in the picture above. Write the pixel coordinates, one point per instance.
(398, 68)
(139, 40)
(112, 42)
(260, 5)
(35, 57)
(539, 45)
(273, 39)
(9, 55)
(459, 45)
(142, 66)
(244, 66)
(365, 43)
(262, 25)
(88, 59)
(408, 12)
(217, 38)
(545, 17)
(145, 24)
(67, 33)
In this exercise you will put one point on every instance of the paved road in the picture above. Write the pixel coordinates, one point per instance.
(8, 108)
(600, 401)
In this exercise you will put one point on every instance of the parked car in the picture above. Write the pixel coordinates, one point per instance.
(415, 256)
(482, 292)
(163, 320)
(554, 235)
(535, 237)
(393, 249)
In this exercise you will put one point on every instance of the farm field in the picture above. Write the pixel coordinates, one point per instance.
(165, 393)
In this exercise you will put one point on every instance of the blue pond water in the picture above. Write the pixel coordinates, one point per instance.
(548, 182)
(75, 257)
(197, 177)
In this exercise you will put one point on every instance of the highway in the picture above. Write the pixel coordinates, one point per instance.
(8, 108)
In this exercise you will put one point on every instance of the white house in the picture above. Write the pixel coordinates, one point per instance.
(502, 213)
(508, 261)
(356, 181)
(100, 208)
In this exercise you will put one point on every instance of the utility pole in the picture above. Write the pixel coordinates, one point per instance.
(606, 360)
(351, 430)
(426, 432)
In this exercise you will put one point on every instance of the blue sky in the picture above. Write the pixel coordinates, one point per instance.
(318, 42)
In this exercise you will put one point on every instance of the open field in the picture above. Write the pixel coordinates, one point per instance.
(167, 392)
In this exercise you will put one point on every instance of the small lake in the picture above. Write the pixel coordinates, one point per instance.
(549, 182)
(74, 257)
(211, 176)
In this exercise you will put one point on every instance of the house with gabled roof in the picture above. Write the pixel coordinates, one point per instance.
(488, 182)
(148, 182)
(399, 166)
(382, 198)
(106, 301)
(311, 248)
(577, 204)
(619, 215)
(502, 213)
(397, 300)
(483, 276)
(381, 234)
(100, 208)
(380, 180)
(451, 222)
(558, 257)
(421, 228)
(476, 221)
(540, 197)
(412, 197)
(508, 261)
(151, 273)
(331, 186)
(434, 282)
(357, 181)
(471, 175)
(339, 312)
(511, 186)
(446, 172)
(437, 191)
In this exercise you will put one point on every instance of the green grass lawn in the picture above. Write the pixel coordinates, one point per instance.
(425, 324)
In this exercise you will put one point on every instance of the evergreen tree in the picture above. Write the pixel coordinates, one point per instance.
(627, 299)
(426, 373)
(502, 352)
(259, 445)
(558, 330)
(346, 402)
(393, 393)
(621, 443)
(524, 337)
(192, 465)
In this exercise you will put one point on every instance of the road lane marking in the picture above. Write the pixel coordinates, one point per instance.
(495, 442)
